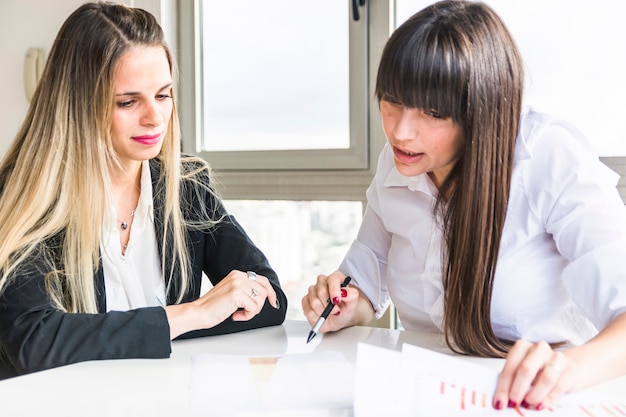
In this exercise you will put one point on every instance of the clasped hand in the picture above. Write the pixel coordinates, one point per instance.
(236, 295)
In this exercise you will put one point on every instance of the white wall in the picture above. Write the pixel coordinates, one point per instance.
(24, 24)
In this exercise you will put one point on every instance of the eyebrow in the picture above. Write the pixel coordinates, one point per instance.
(137, 93)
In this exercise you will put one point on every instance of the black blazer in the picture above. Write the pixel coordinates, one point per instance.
(35, 336)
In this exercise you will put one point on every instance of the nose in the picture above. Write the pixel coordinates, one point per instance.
(151, 115)
(406, 124)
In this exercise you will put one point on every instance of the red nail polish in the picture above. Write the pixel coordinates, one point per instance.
(337, 313)
(498, 405)
(525, 404)
(539, 407)
(336, 300)
(512, 404)
(344, 293)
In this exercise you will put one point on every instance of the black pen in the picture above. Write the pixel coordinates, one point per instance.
(325, 314)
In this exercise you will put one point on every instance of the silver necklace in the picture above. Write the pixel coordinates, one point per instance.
(123, 223)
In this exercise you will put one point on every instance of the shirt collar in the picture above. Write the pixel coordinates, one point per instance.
(145, 206)
(421, 183)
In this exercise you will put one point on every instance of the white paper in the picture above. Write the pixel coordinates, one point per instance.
(318, 380)
(428, 383)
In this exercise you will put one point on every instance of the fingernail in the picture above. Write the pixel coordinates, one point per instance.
(498, 405)
(525, 404)
(277, 306)
(337, 313)
(539, 407)
(344, 293)
(336, 300)
(512, 404)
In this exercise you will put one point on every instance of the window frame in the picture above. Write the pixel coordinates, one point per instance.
(327, 174)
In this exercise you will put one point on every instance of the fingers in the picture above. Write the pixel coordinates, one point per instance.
(270, 294)
(258, 289)
(534, 376)
(316, 300)
(555, 379)
(238, 295)
(327, 289)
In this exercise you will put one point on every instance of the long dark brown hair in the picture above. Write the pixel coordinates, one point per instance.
(458, 58)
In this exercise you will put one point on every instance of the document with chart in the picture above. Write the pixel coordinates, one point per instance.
(429, 383)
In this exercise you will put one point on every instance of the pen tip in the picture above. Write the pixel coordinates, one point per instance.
(311, 336)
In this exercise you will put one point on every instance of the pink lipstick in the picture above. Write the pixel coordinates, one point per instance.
(147, 139)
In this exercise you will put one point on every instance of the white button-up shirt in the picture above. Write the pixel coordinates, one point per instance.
(133, 280)
(561, 271)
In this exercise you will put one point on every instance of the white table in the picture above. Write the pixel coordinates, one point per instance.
(161, 387)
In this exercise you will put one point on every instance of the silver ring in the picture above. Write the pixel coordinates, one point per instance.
(555, 367)
(254, 293)
(252, 275)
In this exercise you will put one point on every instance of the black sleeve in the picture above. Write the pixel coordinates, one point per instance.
(226, 247)
(34, 335)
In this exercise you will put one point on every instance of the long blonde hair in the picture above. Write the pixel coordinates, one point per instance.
(54, 178)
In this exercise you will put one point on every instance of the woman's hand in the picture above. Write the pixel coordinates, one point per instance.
(534, 376)
(351, 307)
(236, 295)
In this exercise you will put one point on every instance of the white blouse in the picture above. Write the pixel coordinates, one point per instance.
(561, 271)
(133, 280)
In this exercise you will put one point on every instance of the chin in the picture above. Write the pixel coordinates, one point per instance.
(151, 154)
(408, 171)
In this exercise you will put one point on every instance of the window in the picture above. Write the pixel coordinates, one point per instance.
(281, 84)
(271, 80)
(301, 205)
(301, 239)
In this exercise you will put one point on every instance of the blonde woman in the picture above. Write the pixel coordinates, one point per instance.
(106, 229)
(487, 221)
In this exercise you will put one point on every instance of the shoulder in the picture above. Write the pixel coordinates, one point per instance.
(191, 164)
(190, 169)
(544, 136)
(555, 163)
(550, 148)
(188, 163)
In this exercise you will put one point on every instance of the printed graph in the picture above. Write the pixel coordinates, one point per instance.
(469, 400)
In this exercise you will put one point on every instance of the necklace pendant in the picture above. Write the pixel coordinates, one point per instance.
(124, 225)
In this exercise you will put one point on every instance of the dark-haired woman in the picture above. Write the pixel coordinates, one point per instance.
(486, 220)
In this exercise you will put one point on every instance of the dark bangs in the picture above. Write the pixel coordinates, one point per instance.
(422, 66)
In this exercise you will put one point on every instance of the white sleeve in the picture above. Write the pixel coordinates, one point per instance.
(574, 195)
(366, 260)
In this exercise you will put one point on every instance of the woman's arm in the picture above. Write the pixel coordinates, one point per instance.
(575, 197)
(234, 304)
(225, 253)
(535, 375)
(35, 335)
